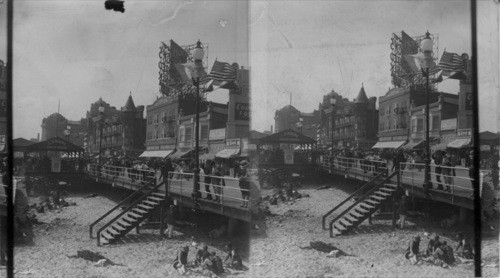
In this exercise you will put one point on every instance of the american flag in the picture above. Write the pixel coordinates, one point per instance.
(451, 62)
(223, 72)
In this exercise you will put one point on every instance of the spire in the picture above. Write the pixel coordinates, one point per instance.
(362, 98)
(129, 106)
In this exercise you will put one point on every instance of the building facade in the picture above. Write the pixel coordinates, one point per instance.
(394, 114)
(349, 123)
(56, 125)
(442, 121)
(290, 117)
(116, 132)
(162, 132)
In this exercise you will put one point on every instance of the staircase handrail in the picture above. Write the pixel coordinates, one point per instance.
(118, 205)
(376, 187)
(127, 210)
(349, 198)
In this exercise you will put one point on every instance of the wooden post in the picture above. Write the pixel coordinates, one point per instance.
(162, 218)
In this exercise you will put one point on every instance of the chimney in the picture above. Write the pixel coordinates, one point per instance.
(272, 129)
(38, 137)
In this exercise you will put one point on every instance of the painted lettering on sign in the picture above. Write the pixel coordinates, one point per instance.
(242, 112)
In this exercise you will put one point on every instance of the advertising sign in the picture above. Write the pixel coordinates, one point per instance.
(233, 143)
(56, 165)
(288, 156)
(242, 111)
(449, 124)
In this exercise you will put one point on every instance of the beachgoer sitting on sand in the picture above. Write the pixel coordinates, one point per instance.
(218, 265)
(464, 248)
(413, 250)
(234, 259)
(201, 255)
(180, 261)
(431, 246)
(208, 266)
(449, 258)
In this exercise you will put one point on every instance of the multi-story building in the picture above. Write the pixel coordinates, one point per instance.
(56, 125)
(116, 132)
(394, 114)
(213, 119)
(162, 132)
(349, 123)
(290, 117)
(442, 122)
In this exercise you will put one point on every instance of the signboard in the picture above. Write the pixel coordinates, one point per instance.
(233, 143)
(469, 101)
(242, 111)
(217, 134)
(449, 124)
(56, 165)
(2, 142)
(485, 148)
(464, 132)
(3, 104)
(288, 156)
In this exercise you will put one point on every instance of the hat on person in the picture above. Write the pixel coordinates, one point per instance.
(244, 164)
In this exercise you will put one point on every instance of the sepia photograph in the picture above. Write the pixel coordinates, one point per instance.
(218, 138)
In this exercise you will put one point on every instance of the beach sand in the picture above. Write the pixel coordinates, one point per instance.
(377, 250)
(67, 231)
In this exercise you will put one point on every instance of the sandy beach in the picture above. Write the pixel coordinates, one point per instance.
(67, 230)
(377, 250)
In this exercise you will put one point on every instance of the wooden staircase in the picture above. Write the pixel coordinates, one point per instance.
(134, 216)
(144, 201)
(368, 199)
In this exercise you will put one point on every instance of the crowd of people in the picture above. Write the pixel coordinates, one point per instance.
(206, 262)
(439, 252)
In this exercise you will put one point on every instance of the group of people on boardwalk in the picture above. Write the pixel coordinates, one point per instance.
(208, 263)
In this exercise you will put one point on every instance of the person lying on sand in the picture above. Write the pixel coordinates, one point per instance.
(180, 261)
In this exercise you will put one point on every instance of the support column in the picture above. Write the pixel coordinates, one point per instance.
(462, 215)
(231, 226)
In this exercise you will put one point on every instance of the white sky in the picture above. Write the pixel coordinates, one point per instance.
(308, 48)
(76, 51)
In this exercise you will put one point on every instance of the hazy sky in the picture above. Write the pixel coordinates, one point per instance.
(76, 51)
(308, 48)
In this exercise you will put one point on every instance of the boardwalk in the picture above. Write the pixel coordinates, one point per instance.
(180, 189)
(412, 178)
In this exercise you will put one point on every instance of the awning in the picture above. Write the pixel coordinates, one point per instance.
(412, 145)
(180, 154)
(227, 153)
(156, 153)
(207, 156)
(459, 143)
(388, 145)
(439, 147)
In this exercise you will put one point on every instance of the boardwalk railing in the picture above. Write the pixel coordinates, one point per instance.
(129, 175)
(353, 165)
(226, 190)
(453, 180)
